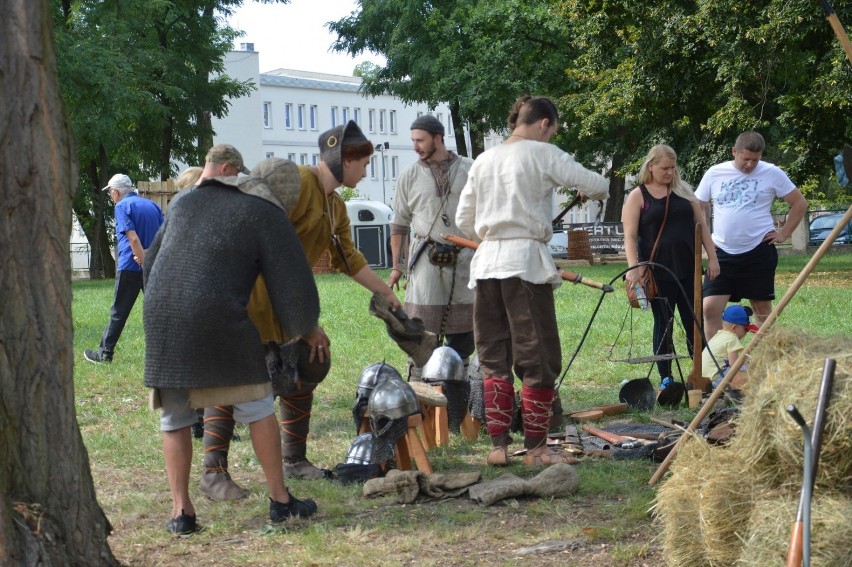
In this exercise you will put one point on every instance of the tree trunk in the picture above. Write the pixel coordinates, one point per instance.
(616, 192)
(48, 511)
(458, 129)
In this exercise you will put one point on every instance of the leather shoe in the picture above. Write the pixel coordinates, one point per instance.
(217, 484)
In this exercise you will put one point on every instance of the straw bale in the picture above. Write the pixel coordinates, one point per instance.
(725, 504)
(768, 537)
(676, 506)
(788, 369)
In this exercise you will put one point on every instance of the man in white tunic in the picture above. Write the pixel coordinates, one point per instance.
(507, 206)
(427, 196)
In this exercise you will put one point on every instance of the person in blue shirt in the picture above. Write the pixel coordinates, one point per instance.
(136, 222)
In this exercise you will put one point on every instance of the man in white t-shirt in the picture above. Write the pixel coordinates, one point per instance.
(742, 192)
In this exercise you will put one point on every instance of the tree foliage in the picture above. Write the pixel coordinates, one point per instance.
(627, 75)
(141, 80)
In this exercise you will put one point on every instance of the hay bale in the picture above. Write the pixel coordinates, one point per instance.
(708, 506)
(788, 369)
(676, 508)
(772, 518)
(725, 506)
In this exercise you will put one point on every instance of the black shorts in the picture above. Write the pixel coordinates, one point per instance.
(750, 275)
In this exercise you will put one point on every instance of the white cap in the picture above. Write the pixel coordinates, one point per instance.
(119, 181)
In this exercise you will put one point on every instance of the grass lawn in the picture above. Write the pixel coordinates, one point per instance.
(605, 523)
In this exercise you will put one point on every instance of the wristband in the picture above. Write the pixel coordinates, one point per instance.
(396, 270)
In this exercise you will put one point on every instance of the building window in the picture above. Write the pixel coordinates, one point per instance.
(345, 114)
(334, 116)
(288, 115)
(382, 114)
(313, 117)
(315, 159)
(357, 116)
(392, 116)
(450, 125)
(419, 114)
(373, 173)
(384, 165)
(301, 118)
(270, 155)
(267, 115)
(371, 120)
(303, 159)
(291, 157)
(394, 167)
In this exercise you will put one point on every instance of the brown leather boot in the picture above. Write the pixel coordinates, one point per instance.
(218, 485)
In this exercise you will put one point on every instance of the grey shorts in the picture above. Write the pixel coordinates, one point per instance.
(177, 413)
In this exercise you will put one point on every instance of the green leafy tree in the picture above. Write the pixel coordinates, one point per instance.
(477, 57)
(142, 81)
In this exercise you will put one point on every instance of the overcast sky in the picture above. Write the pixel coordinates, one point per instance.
(294, 35)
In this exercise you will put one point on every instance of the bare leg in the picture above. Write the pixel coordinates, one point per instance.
(762, 308)
(713, 307)
(266, 441)
(177, 453)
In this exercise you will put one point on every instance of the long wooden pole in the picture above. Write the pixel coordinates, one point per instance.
(697, 309)
(764, 329)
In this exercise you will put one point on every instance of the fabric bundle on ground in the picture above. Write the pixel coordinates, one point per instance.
(409, 485)
(553, 482)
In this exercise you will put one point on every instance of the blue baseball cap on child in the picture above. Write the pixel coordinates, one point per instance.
(739, 315)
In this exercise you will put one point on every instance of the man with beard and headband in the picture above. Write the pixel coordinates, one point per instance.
(427, 196)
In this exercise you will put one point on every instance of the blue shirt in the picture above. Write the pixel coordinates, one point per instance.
(144, 217)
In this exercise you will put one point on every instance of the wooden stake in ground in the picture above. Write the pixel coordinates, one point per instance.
(764, 329)
(697, 344)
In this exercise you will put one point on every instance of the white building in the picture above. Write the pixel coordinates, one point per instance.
(290, 109)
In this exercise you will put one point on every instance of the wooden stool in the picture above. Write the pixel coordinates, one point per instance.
(409, 447)
(470, 427)
(433, 404)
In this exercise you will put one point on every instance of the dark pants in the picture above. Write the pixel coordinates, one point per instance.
(514, 322)
(669, 296)
(462, 343)
(128, 284)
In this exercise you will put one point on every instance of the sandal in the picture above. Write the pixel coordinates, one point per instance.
(499, 456)
(546, 456)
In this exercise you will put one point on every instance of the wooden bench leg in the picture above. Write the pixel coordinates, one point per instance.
(429, 426)
(471, 427)
(442, 433)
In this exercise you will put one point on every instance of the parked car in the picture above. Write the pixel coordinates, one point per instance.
(822, 226)
(558, 244)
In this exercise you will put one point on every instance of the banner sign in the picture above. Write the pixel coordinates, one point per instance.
(604, 237)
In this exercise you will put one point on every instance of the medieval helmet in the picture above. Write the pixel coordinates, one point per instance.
(374, 375)
(390, 404)
(361, 450)
(445, 365)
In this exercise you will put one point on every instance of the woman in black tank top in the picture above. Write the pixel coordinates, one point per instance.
(643, 214)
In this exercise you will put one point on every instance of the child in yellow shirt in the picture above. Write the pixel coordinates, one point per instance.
(726, 345)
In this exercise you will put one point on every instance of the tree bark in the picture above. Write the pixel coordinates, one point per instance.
(616, 192)
(458, 129)
(48, 511)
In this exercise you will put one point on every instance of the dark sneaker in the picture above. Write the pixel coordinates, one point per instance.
(278, 511)
(182, 525)
(97, 356)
